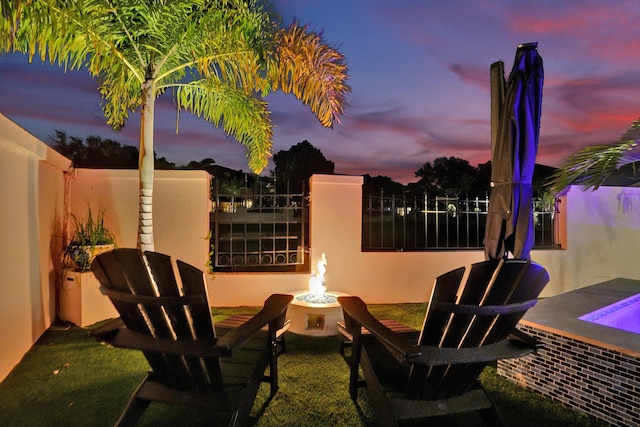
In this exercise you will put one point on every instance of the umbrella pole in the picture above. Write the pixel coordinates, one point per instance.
(496, 75)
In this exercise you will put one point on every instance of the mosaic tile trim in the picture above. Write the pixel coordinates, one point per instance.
(604, 312)
(598, 381)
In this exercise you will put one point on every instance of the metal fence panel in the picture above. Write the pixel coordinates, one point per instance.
(392, 223)
(259, 232)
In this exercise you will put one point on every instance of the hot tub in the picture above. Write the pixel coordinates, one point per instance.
(589, 365)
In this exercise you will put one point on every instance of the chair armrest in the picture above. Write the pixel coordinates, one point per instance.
(126, 338)
(523, 339)
(505, 349)
(355, 309)
(272, 314)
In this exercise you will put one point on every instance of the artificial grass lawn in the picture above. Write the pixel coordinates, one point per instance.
(68, 379)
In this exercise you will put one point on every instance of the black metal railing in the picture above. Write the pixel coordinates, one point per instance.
(395, 223)
(259, 232)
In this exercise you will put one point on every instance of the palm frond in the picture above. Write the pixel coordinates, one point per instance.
(592, 165)
(9, 13)
(224, 42)
(632, 137)
(242, 116)
(313, 71)
(120, 92)
(79, 34)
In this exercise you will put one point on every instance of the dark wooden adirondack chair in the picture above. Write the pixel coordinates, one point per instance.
(170, 321)
(470, 322)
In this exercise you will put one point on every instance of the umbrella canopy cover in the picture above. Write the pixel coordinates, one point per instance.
(509, 226)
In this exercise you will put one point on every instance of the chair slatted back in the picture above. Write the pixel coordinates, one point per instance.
(489, 283)
(176, 318)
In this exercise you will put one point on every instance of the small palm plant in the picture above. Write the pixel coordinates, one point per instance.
(591, 166)
(90, 237)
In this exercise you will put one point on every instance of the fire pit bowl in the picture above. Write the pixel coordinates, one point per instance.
(315, 314)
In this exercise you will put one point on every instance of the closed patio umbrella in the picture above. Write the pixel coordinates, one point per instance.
(509, 226)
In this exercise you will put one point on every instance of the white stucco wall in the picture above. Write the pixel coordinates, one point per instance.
(377, 277)
(32, 218)
(32, 195)
(602, 231)
(336, 227)
(181, 207)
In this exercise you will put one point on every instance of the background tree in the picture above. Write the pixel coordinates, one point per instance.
(99, 153)
(107, 153)
(482, 184)
(72, 148)
(374, 185)
(541, 175)
(204, 164)
(218, 57)
(450, 176)
(163, 163)
(294, 167)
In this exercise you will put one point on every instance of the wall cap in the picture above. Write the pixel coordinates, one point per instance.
(337, 179)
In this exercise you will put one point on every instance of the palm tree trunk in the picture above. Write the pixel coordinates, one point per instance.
(146, 168)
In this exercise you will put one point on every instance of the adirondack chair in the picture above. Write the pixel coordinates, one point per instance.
(170, 321)
(470, 322)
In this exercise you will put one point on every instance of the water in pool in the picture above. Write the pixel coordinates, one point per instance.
(624, 314)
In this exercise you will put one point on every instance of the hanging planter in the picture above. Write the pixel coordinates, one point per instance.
(90, 238)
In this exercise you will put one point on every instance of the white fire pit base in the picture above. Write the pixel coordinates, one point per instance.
(314, 319)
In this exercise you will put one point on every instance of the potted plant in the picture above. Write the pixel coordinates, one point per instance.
(90, 238)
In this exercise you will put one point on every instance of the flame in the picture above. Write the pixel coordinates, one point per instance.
(316, 282)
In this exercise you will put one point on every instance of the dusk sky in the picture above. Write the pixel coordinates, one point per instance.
(420, 79)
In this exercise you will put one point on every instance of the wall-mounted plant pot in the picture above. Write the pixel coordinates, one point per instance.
(82, 256)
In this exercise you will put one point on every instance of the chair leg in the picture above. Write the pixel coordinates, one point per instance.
(343, 344)
(132, 412)
(135, 407)
(247, 398)
(491, 416)
(383, 413)
(354, 364)
(273, 362)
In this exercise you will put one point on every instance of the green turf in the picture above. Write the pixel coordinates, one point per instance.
(68, 379)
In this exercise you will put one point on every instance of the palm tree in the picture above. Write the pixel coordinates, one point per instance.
(592, 165)
(219, 59)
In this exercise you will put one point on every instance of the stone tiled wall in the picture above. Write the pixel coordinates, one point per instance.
(601, 382)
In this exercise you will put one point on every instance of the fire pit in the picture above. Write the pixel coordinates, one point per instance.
(314, 318)
(316, 311)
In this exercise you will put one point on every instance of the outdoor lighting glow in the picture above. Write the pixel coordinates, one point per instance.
(315, 311)
(316, 282)
(317, 293)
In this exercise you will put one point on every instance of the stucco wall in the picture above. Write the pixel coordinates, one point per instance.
(602, 231)
(32, 221)
(181, 207)
(32, 195)
(377, 277)
(336, 228)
